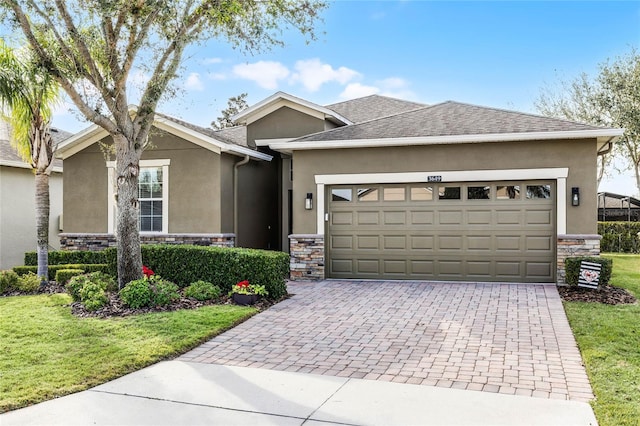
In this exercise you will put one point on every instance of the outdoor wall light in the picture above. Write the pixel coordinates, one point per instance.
(575, 196)
(308, 202)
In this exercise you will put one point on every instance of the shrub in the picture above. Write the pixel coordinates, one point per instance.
(619, 237)
(64, 275)
(164, 292)
(29, 282)
(202, 290)
(76, 283)
(572, 269)
(224, 267)
(53, 269)
(93, 296)
(62, 257)
(8, 281)
(137, 294)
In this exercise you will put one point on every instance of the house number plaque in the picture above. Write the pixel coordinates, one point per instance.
(434, 178)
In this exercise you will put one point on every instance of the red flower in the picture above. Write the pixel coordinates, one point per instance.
(244, 283)
(147, 272)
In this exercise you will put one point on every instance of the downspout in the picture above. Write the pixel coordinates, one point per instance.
(235, 194)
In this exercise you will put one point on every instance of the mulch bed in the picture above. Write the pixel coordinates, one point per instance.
(115, 307)
(608, 294)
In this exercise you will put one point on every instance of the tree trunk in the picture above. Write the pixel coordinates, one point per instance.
(127, 233)
(42, 225)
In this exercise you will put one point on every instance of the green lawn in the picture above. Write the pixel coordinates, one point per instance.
(46, 352)
(609, 340)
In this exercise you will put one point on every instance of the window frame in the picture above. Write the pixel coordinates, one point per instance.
(112, 205)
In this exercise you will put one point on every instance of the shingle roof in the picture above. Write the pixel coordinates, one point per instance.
(449, 119)
(234, 135)
(372, 107)
(8, 153)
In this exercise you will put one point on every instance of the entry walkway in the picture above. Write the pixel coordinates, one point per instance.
(501, 338)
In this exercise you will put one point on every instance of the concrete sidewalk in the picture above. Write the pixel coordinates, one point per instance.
(190, 393)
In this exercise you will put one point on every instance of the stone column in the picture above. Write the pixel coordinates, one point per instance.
(575, 245)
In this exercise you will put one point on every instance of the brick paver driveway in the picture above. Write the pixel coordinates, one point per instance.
(506, 338)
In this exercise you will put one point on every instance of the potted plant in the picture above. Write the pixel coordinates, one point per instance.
(245, 294)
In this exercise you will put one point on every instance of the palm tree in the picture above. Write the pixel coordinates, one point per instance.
(27, 96)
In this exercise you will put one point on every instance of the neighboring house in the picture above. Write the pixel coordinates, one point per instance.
(369, 188)
(17, 202)
(618, 208)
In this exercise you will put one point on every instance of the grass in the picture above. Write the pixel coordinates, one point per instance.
(46, 352)
(609, 340)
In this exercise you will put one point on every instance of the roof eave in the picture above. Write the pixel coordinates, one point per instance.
(603, 135)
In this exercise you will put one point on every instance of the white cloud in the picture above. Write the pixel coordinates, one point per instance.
(396, 87)
(313, 73)
(216, 76)
(212, 60)
(265, 74)
(193, 82)
(357, 90)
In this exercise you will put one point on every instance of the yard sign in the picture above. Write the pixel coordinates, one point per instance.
(589, 274)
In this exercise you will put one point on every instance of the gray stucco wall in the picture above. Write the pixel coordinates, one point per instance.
(194, 187)
(578, 155)
(18, 214)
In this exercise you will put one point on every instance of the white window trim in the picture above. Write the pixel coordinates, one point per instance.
(558, 174)
(112, 206)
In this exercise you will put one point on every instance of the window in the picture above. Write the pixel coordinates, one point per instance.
(367, 194)
(509, 192)
(538, 191)
(449, 192)
(478, 192)
(393, 194)
(423, 193)
(153, 196)
(341, 194)
(150, 199)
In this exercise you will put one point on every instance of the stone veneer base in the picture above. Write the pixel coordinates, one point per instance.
(94, 242)
(575, 245)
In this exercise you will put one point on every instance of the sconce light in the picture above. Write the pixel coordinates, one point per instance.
(308, 202)
(575, 196)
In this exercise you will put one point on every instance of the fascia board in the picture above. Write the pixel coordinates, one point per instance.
(267, 142)
(80, 141)
(447, 140)
(21, 165)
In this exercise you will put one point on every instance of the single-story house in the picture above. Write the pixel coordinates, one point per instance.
(18, 205)
(373, 187)
(617, 208)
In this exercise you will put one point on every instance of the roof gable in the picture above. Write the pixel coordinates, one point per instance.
(209, 139)
(281, 99)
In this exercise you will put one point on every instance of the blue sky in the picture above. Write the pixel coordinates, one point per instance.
(498, 54)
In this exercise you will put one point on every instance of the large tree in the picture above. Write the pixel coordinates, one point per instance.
(612, 98)
(27, 95)
(91, 47)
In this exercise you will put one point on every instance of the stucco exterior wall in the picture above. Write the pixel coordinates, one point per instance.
(283, 123)
(18, 214)
(579, 156)
(194, 187)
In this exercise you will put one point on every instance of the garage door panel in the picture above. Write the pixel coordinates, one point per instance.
(538, 217)
(450, 217)
(395, 217)
(368, 242)
(496, 239)
(339, 242)
(395, 242)
(479, 217)
(422, 217)
(368, 218)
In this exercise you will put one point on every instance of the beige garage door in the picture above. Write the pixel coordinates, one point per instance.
(492, 231)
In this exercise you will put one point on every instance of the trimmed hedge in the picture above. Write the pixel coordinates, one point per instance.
(224, 267)
(64, 275)
(572, 269)
(619, 237)
(53, 269)
(67, 257)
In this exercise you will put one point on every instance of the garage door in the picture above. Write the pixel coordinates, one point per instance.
(480, 231)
